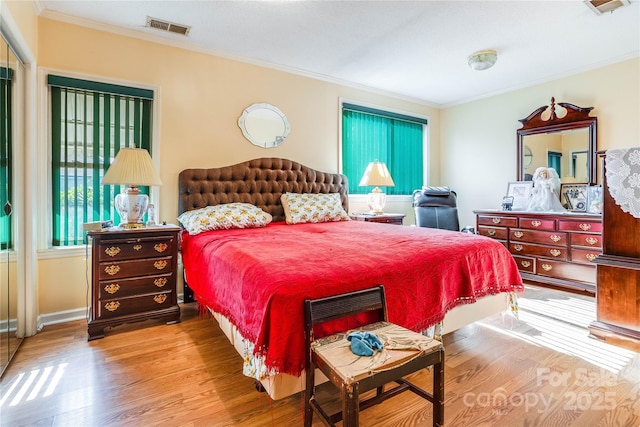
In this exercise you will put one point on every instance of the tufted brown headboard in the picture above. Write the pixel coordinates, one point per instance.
(260, 182)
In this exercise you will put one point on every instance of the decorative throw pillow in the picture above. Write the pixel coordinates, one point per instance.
(224, 217)
(301, 208)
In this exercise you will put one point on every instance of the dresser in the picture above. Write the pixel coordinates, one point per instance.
(133, 277)
(551, 249)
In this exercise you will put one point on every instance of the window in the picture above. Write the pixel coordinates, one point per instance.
(90, 122)
(369, 134)
(554, 160)
(6, 158)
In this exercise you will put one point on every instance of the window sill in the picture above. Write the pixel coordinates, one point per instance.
(66, 252)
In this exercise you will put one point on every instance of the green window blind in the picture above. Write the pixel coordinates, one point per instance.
(6, 159)
(91, 121)
(369, 134)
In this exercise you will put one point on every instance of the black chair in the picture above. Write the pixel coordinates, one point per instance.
(436, 207)
(404, 352)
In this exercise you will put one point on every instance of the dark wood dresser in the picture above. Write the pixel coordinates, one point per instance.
(551, 249)
(618, 296)
(133, 277)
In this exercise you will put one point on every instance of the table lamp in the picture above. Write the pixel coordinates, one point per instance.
(376, 175)
(132, 167)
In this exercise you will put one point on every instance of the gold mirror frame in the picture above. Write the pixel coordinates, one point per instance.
(575, 118)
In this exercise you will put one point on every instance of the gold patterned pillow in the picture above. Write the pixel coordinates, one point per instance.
(224, 217)
(301, 208)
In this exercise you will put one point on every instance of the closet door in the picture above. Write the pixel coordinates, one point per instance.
(11, 73)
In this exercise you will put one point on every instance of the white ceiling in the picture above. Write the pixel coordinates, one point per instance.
(412, 49)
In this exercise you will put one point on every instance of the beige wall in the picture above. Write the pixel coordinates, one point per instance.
(200, 99)
(472, 146)
(478, 139)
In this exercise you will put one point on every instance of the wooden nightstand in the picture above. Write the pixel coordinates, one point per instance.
(390, 218)
(133, 276)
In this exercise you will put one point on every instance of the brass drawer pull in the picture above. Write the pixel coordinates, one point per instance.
(112, 305)
(160, 282)
(555, 238)
(160, 298)
(555, 252)
(160, 247)
(517, 247)
(518, 234)
(591, 257)
(112, 288)
(536, 223)
(525, 264)
(496, 220)
(112, 251)
(160, 264)
(137, 247)
(591, 240)
(491, 232)
(112, 269)
(585, 227)
(547, 267)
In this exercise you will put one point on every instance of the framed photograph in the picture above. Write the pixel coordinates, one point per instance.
(574, 197)
(521, 193)
(594, 199)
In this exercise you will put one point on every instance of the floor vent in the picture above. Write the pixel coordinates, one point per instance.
(601, 6)
(171, 27)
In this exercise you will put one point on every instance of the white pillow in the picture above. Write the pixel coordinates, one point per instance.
(301, 208)
(224, 217)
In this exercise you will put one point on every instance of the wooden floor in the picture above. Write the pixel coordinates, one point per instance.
(538, 370)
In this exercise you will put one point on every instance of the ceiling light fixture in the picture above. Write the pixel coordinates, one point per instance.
(483, 59)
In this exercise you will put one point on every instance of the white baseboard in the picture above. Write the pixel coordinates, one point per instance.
(70, 315)
(61, 317)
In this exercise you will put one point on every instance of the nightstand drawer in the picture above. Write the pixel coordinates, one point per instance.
(143, 267)
(124, 306)
(134, 248)
(137, 286)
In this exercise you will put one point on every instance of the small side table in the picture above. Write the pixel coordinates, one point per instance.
(133, 276)
(389, 218)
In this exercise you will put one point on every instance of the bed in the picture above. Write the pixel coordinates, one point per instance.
(254, 280)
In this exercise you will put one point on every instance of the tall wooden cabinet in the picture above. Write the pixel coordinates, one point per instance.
(618, 294)
(551, 249)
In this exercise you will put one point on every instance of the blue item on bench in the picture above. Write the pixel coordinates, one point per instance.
(363, 343)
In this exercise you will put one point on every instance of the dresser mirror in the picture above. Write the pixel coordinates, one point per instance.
(561, 136)
(264, 125)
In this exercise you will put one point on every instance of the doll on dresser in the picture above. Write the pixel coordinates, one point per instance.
(545, 195)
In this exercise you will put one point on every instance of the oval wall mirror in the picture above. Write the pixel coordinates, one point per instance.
(264, 125)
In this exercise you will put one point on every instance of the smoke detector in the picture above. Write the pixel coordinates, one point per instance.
(171, 27)
(601, 6)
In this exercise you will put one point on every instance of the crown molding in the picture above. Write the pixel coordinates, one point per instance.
(142, 35)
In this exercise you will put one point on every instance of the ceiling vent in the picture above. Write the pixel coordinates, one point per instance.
(601, 6)
(171, 27)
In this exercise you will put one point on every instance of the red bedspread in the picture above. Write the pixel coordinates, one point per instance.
(259, 278)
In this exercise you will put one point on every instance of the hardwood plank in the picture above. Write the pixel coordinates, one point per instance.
(540, 370)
